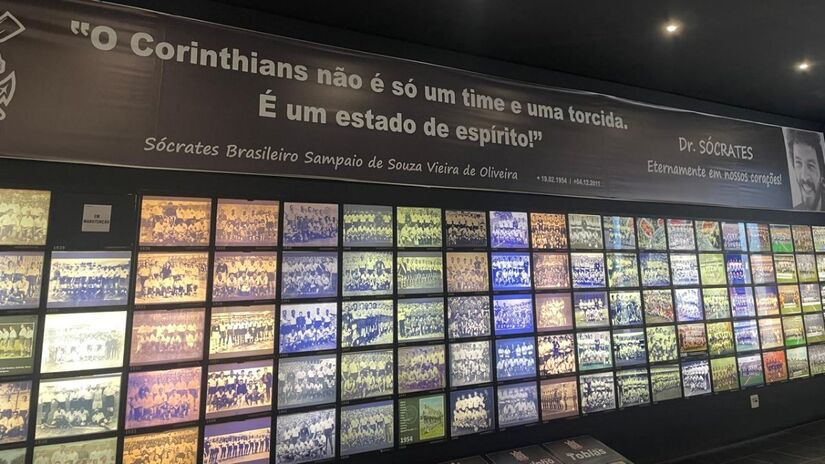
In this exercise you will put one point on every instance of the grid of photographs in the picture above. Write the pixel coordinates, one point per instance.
(251, 330)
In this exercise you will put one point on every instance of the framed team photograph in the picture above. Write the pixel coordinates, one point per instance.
(471, 411)
(559, 398)
(734, 237)
(245, 223)
(511, 271)
(680, 235)
(742, 303)
(470, 363)
(554, 312)
(367, 374)
(685, 269)
(597, 392)
(785, 268)
(420, 319)
(712, 269)
(762, 269)
(585, 231)
(629, 347)
(551, 271)
(145, 409)
(17, 334)
(790, 302)
(751, 373)
(693, 340)
(153, 448)
(655, 269)
(622, 270)
(781, 238)
(508, 229)
(696, 378)
(725, 374)
(814, 328)
(421, 368)
(816, 358)
(793, 330)
(367, 427)
(588, 270)
(590, 309)
(421, 419)
(708, 236)
(83, 341)
(309, 274)
(626, 308)
(594, 350)
(797, 359)
(368, 273)
(820, 266)
(803, 240)
(619, 233)
(240, 276)
(169, 278)
(767, 301)
(76, 406)
(661, 343)
(517, 404)
(308, 327)
(716, 303)
(548, 231)
(651, 233)
(465, 229)
(419, 272)
(24, 217)
(418, 227)
(665, 382)
(20, 279)
(18, 455)
(806, 268)
(746, 335)
(720, 338)
(310, 225)
(15, 398)
(513, 314)
(658, 306)
(468, 316)
(515, 358)
(556, 354)
(302, 381)
(246, 387)
(305, 436)
(368, 323)
(89, 278)
(776, 366)
(688, 304)
(770, 332)
(170, 336)
(367, 226)
(818, 233)
(247, 441)
(467, 272)
(738, 269)
(759, 237)
(234, 331)
(175, 221)
(632, 387)
(100, 451)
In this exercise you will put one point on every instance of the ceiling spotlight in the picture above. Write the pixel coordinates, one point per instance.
(803, 66)
(672, 27)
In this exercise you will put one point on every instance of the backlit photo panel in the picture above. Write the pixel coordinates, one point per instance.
(17, 344)
(554, 311)
(15, 398)
(18, 456)
(680, 235)
(163, 397)
(306, 381)
(83, 341)
(629, 347)
(367, 273)
(588, 270)
(239, 276)
(798, 363)
(517, 404)
(814, 328)
(556, 354)
(816, 358)
(781, 238)
(310, 225)
(619, 233)
(419, 272)
(770, 332)
(738, 268)
(762, 269)
(597, 392)
(466, 229)
(471, 411)
(167, 336)
(515, 358)
(708, 236)
(367, 323)
(716, 302)
(243, 223)
(368, 226)
(100, 451)
(591, 309)
(751, 373)
(508, 229)
(734, 237)
(655, 269)
(421, 368)
(661, 342)
(725, 374)
(785, 267)
(790, 302)
(746, 335)
(803, 240)
(693, 339)
(239, 388)
(367, 427)
(468, 316)
(684, 268)
(20, 279)
(421, 419)
(551, 271)
(24, 217)
(467, 272)
(366, 374)
(548, 231)
(767, 300)
(510, 271)
(651, 233)
(594, 350)
(238, 331)
(305, 437)
(513, 314)
(759, 237)
(175, 221)
(696, 378)
(688, 304)
(632, 387)
(776, 366)
(78, 406)
(247, 441)
(626, 308)
(585, 231)
(309, 274)
(720, 338)
(819, 238)
(742, 303)
(89, 278)
(622, 270)
(559, 398)
(712, 269)
(793, 330)
(418, 227)
(806, 267)
(420, 319)
(167, 278)
(470, 363)
(155, 448)
(658, 306)
(308, 327)
(665, 382)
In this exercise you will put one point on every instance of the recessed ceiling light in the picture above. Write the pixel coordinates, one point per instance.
(672, 27)
(803, 66)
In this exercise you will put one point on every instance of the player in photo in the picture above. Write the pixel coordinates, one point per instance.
(658, 306)
(421, 368)
(814, 328)
(619, 233)
(156, 448)
(738, 269)
(466, 229)
(693, 339)
(651, 233)
(590, 309)
(308, 327)
(367, 226)
(626, 308)
(418, 227)
(725, 374)
(20, 279)
(24, 216)
(468, 316)
(588, 270)
(559, 398)
(467, 272)
(14, 410)
(759, 237)
(419, 272)
(175, 221)
(548, 231)
(517, 404)
(247, 223)
(734, 237)
(367, 273)
(629, 347)
(785, 268)
(367, 427)
(95, 278)
(793, 330)
(661, 342)
(241, 331)
(585, 232)
(513, 314)
(685, 269)
(17, 344)
(632, 387)
(420, 319)
(680, 235)
(554, 311)
(470, 363)
(720, 339)
(688, 304)
(166, 278)
(367, 323)
(770, 332)
(309, 275)
(781, 238)
(742, 302)
(78, 406)
(716, 303)
(82, 341)
(816, 356)
(806, 267)
(471, 411)
(163, 397)
(100, 451)
(751, 373)
(515, 358)
(306, 381)
(696, 378)
(551, 271)
(805, 164)
(712, 268)
(305, 437)
(665, 382)
(310, 225)
(508, 229)
(597, 392)
(556, 354)
(167, 336)
(776, 366)
(708, 236)
(366, 374)
(421, 419)
(655, 269)
(803, 240)
(239, 388)
(746, 335)
(798, 363)
(245, 441)
(511, 271)
(594, 350)
(241, 276)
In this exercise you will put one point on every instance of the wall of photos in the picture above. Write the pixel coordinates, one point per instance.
(241, 330)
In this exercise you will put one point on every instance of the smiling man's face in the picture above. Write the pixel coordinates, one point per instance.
(808, 174)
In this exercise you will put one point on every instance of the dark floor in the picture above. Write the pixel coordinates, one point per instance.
(803, 444)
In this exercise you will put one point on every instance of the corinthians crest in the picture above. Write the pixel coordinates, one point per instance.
(9, 27)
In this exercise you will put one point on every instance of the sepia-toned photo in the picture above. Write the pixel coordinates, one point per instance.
(466, 229)
(554, 311)
(306, 381)
(556, 354)
(78, 406)
(305, 437)
(164, 336)
(789, 299)
(551, 271)
(712, 269)
(310, 225)
(367, 323)
(467, 272)
(420, 272)
(24, 216)
(693, 340)
(508, 230)
(309, 274)
(559, 398)
(83, 341)
(163, 397)
(770, 332)
(174, 221)
(244, 276)
(245, 441)
(418, 227)
(367, 273)
(20, 279)
(548, 231)
(368, 226)
(165, 278)
(661, 342)
(15, 398)
(776, 366)
(100, 451)
(308, 327)
(237, 331)
(247, 223)
(179, 445)
(239, 388)
(17, 344)
(89, 278)
(803, 240)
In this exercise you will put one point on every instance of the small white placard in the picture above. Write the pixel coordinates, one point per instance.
(97, 218)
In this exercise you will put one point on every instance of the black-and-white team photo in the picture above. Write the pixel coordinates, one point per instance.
(518, 404)
(418, 227)
(597, 392)
(247, 223)
(308, 327)
(508, 229)
(305, 437)
(20, 279)
(368, 226)
(468, 316)
(15, 399)
(78, 406)
(367, 273)
(179, 446)
(166, 336)
(420, 272)
(239, 388)
(244, 276)
(467, 272)
(247, 442)
(165, 278)
(163, 397)
(306, 380)
(367, 427)
(24, 216)
(465, 229)
(89, 278)
(420, 319)
(367, 374)
(175, 221)
(100, 451)
(471, 411)
(585, 231)
(470, 363)
(242, 331)
(82, 341)
(511, 271)
(367, 323)
(309, 274)
(310, 225)
(421, 368)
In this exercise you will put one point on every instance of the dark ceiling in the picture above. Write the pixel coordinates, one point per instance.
(737, 52)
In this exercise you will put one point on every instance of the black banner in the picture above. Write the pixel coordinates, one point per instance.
(92, 83)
